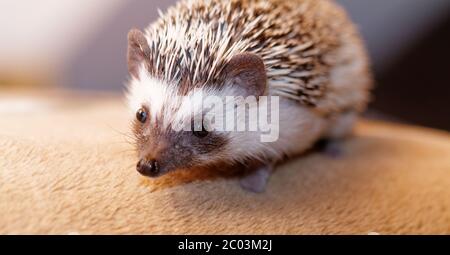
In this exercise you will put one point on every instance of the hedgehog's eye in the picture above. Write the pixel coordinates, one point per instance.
(200, 132)
(142, 115)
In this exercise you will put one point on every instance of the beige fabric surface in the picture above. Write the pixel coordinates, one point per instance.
(66, 167)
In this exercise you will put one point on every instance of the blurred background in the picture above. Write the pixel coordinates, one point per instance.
(81, 45)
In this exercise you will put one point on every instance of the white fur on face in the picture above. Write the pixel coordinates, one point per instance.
(162, 99)
(149, 92)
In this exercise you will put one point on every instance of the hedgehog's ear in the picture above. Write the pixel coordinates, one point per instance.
(246, 72)
(138, 51)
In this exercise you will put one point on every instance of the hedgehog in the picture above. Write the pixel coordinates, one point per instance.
(305, 53)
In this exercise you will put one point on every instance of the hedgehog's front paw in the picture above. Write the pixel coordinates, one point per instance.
(257, 180)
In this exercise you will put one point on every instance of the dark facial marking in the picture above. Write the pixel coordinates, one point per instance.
(162, 151)
(211, 143)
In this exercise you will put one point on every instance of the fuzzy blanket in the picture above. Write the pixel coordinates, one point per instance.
(66, 166)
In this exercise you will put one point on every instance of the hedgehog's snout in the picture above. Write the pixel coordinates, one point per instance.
(149, 168)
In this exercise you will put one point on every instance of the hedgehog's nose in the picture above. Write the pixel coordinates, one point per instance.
(148, 168)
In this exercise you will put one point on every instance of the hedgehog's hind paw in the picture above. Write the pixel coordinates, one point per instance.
(257, 180)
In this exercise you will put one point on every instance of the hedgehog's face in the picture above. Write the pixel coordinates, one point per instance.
(163, 149)
(168, 135)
